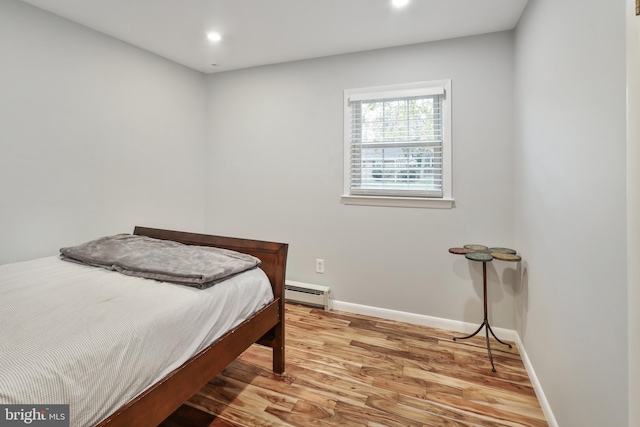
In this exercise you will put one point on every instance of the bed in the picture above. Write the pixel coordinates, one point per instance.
(167, 307)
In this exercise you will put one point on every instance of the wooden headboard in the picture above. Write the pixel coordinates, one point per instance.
(273, 255)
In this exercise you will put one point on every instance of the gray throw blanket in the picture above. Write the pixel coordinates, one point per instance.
(164, 260)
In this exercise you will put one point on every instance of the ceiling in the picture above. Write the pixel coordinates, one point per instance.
(259, 32)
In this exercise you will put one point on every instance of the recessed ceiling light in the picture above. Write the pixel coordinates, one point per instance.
(399, 3)
(214, 37)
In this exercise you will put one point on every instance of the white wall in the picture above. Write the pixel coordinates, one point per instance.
(275, 164)
(570, 174)
(633, 207)
(95, 136)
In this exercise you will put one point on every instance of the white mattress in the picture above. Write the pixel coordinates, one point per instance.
(94, 339)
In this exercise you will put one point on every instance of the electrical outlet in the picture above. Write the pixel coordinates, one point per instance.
(320, 266)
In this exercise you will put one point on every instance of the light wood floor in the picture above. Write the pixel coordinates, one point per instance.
(351, 370)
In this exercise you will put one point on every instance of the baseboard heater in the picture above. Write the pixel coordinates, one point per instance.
(307, 293)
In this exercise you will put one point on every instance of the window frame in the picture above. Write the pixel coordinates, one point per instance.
(401, 90)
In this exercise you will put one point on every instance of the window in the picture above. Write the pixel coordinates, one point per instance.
(398, 145)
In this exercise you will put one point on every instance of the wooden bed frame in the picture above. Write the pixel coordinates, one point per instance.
(266, 327)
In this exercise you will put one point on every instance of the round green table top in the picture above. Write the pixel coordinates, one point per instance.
(479, 256)
(502, 251)
(476, 247)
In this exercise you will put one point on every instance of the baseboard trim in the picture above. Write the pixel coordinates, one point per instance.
(542, 398)
(456, 326)
(420, 319)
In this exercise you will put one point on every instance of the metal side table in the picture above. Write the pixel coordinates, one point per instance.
(483, 254)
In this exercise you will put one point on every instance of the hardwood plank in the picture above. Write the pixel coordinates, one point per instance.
(478, 375)
(452, 413)
(353, 370)
(246, 372)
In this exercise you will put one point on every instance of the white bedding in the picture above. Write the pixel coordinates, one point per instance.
(95, 338)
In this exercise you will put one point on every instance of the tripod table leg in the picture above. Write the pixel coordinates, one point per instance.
(485, 322)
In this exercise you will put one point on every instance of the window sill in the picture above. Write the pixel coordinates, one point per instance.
(399, 202)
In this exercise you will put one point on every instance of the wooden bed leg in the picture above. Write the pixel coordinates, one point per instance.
(278, 342)
(278, 349)
(278, 329)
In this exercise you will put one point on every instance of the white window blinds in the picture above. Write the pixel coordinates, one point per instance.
(396, 142)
